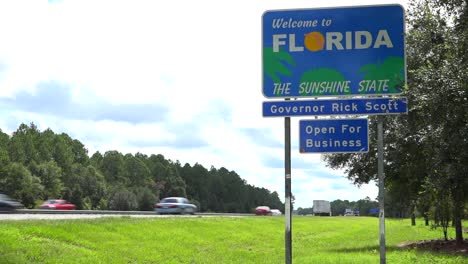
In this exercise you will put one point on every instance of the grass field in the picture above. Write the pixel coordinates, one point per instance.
(212, 240)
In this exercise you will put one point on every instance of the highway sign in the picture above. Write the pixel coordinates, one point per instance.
(333, 136)
(331, 107)
(333, 51)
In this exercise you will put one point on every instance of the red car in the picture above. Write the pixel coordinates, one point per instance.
(263, 210)
(57, 205)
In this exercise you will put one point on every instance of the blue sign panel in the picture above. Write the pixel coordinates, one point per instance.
(333, 136)
(364, 106)
(333, 51)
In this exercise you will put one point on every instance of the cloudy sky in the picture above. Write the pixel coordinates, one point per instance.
(177, 78)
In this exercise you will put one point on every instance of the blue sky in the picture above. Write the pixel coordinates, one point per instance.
(177, 78)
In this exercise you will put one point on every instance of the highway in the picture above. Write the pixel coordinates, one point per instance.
(40, 214)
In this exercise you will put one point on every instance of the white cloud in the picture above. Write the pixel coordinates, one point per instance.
(199, 59)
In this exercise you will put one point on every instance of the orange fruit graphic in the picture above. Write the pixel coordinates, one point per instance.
(314, 41)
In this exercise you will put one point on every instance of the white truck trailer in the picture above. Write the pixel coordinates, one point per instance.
(322, 208)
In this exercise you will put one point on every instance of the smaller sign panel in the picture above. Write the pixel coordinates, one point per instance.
(365, 106)
(334, 136)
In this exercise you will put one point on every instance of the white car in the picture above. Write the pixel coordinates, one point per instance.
(275, 212)
(175, 205)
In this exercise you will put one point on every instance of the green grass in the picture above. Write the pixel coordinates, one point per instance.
(212, 240)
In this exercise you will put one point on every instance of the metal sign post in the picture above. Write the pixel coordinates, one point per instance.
(380, 171)
(287, 193)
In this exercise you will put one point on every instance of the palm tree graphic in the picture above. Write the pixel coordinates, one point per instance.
(274, 64)
(391, 69)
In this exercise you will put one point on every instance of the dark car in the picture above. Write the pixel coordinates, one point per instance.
(175, 205)
(8, 205)
(263, 210)
(57, 204)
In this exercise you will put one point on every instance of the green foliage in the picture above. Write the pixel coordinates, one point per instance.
(85, 182)
(426, 150)
(338, 207)
(171, 183)
(364, 206)
(87, 204)
(50, 175)
(305, 211)
(123, 200)
(62, 153)
(17, 182)
(96, 159)
(4, 155)
(113, 167)
(145, 198)
(45, 145)
(22, 147)
(75, 196)
(137, 173)
(212, 240)
(51, 166)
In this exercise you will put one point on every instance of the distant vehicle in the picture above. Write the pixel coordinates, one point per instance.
(263, 210)
(175, 205)
(351, 212)
(275, 212)
(57, 204)
(348, 212)
(322, 208)
(7, 204)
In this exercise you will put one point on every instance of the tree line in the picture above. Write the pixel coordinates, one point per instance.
(339, 206)
(39, 165)
(426, 150)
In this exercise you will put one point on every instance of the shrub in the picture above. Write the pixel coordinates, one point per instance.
(123, 200)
